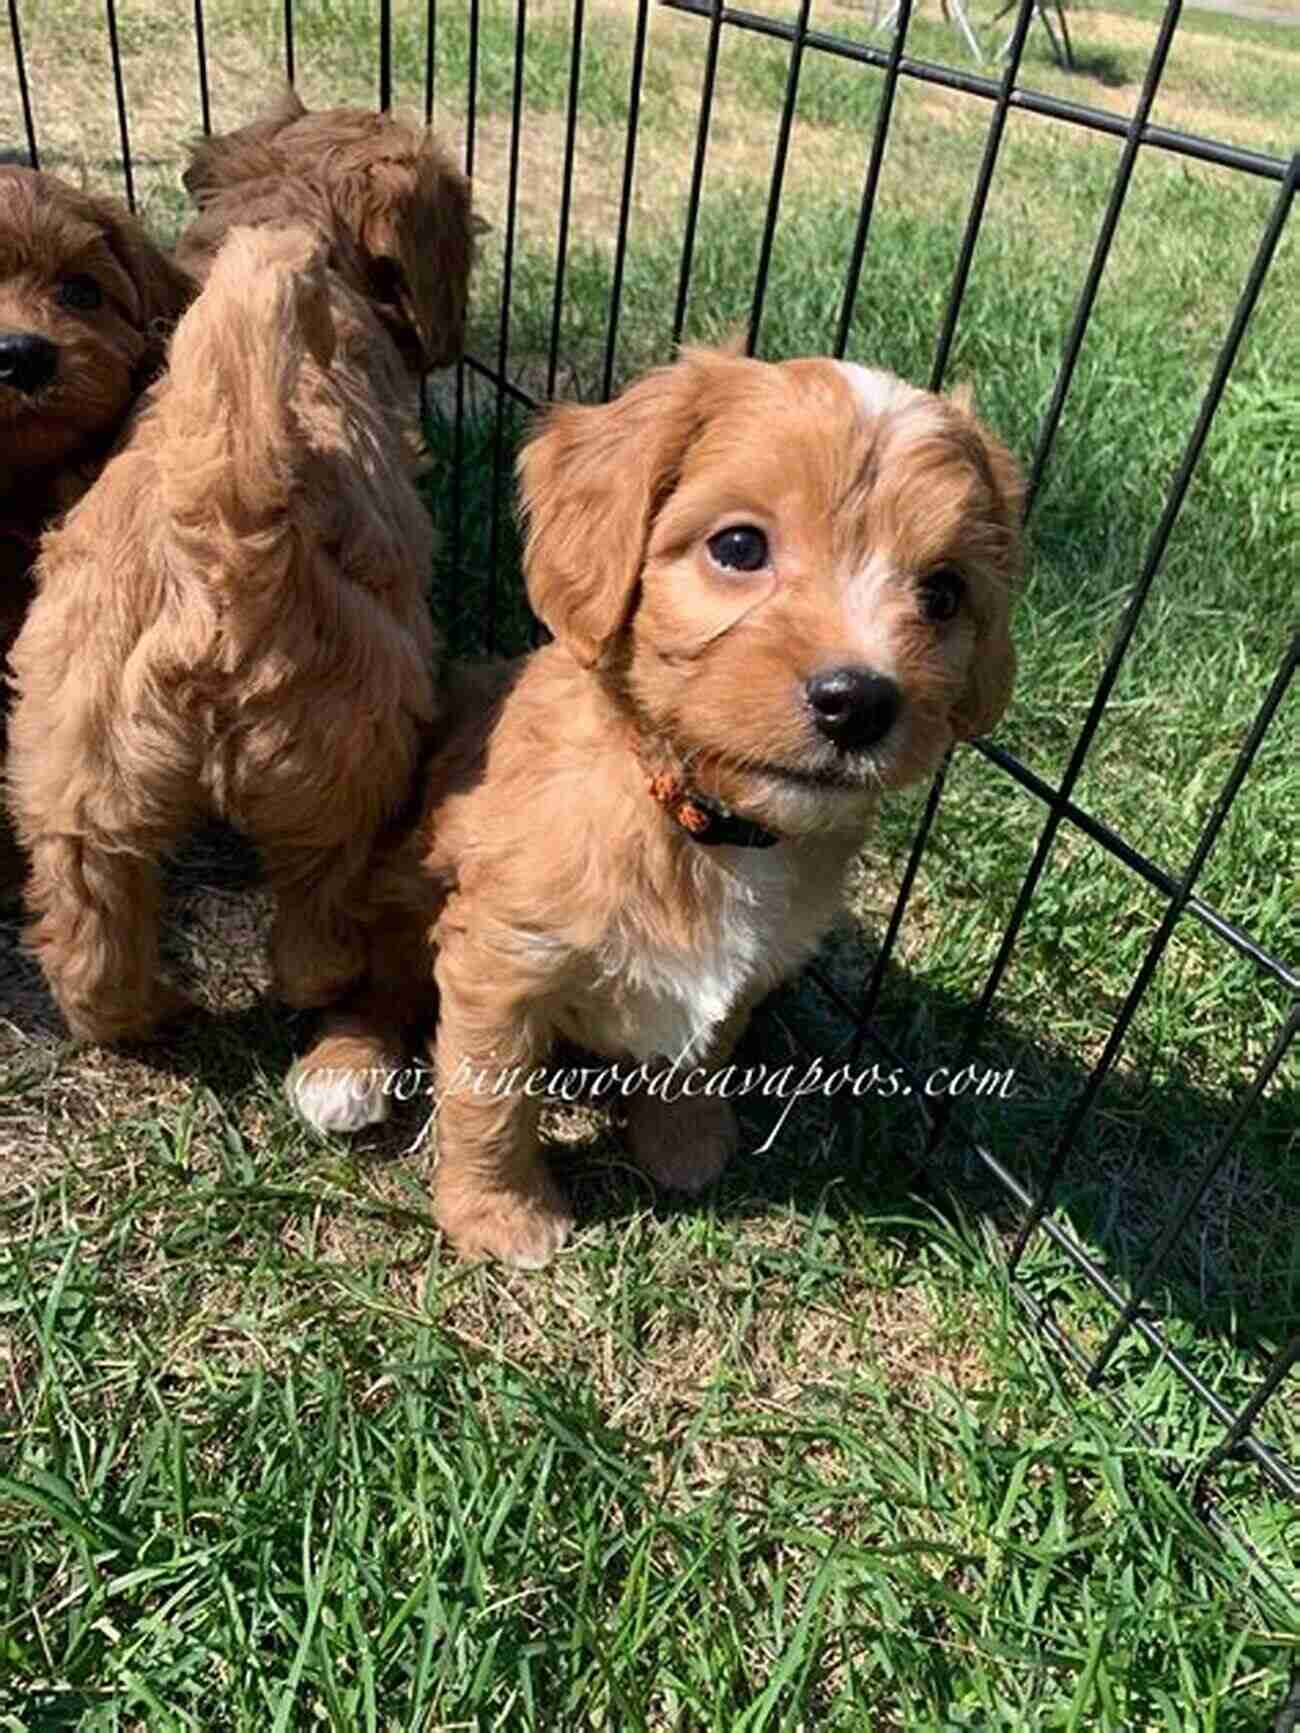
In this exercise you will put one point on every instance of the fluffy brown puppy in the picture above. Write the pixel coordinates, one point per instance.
(776, 591)
(86, 304)
(400, 220)
(234, 620)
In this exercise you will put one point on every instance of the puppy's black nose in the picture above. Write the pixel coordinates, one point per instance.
(26, 361)
(853, 707)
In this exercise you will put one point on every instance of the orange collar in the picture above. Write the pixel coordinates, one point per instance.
(704, 820)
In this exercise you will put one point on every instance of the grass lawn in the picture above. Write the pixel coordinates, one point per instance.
(787, 1458)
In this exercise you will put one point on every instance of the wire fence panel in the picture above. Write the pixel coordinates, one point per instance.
(1239, 1438)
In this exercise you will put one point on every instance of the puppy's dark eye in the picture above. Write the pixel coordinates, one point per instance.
(386, 281)
(941, 594)
(740, 549)
(79, 292)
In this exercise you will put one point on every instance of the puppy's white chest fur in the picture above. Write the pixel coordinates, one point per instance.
(759, 920)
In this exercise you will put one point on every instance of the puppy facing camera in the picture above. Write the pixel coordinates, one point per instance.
(86, 304)
(777, 592)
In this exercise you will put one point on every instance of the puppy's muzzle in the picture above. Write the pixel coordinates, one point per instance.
(27, 361)
(853, 707)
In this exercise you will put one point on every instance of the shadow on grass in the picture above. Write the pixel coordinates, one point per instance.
(245, 1207)
(1103, 64)
(57, 1711)
(1233, 1272)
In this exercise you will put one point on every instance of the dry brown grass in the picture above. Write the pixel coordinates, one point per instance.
(69, 74)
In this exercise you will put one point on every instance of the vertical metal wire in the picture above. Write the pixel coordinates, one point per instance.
(458, 427)
(200, 48)
(385, 36)
(992, 146)
(430, 55)
(625, 201)
(566, 195)
(385, 55)
(697, 169)
(778, 176)
(1155, 950)
(503, 328)
(24, 95)
(471, 95)
(1238, 1438)
(876, 976)
(456, 536)
(120, 93)
(1031, 101)
(1101, 251)
(871, 184)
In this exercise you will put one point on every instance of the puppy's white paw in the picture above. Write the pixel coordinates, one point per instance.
(331, 1098)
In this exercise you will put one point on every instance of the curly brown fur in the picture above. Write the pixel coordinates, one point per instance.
(548, 894)
(86, 304)
(400, 224)
(234, 619)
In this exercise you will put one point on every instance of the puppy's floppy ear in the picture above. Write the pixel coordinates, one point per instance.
(396, 191)
(228, 159)
(991, 678)
(993, 665)
(162, 289)
(591, 480)
(437, 251)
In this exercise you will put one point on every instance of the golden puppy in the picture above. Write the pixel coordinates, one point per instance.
(86, 304)
(775, 590)
(234, 620)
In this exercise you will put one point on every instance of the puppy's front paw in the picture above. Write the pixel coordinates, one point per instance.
(523, 1226)
(683, 1144)
(337, 1098)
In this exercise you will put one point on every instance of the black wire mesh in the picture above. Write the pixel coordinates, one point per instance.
(1239, 1439)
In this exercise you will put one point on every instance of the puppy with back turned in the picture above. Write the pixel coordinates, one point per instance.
(777, 591)
(235, 620)
(86, 304)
